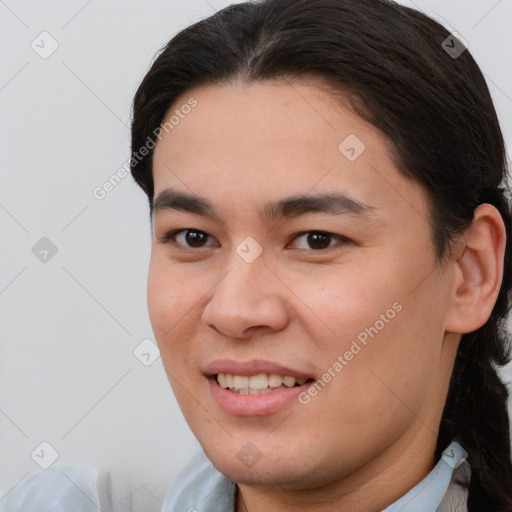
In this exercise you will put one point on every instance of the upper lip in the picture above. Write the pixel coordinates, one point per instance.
(252, 367)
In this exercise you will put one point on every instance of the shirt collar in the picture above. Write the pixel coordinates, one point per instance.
(428, 494)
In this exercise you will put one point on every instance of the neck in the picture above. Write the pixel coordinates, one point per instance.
(370, 489)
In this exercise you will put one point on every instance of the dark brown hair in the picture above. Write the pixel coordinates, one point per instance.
(434, 107)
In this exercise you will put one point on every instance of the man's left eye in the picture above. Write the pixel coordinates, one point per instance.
(319, 240)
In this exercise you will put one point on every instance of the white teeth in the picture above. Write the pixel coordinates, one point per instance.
(225, 380)
(258, 381)
(240, 381)
(256, 384)
(289, 381)
(274, 381)
(221, 379)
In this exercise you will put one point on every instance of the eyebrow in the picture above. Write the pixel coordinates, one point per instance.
(334, 203)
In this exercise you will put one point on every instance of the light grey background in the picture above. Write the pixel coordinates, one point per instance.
(69, 326)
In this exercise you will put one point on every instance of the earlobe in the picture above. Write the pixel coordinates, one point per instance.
(479, 271)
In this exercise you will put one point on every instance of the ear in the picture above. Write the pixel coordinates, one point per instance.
(478, 271)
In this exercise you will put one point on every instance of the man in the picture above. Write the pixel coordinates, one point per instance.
(327, 271)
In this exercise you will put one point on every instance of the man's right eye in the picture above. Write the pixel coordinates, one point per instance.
(188, 238)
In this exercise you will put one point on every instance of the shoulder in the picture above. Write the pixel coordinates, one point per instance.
(456, 496)
(54, 489)
(200, 488)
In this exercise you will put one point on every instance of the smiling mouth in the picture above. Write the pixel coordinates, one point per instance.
(257, 384)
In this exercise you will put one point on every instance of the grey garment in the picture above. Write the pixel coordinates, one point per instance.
(116, 494)
(456, 496)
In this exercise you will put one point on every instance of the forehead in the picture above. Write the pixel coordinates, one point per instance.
(243, 145)
(274, 119)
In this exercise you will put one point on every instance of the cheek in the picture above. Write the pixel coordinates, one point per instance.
(385, 335)
(391, 366)
(340, 303)
(171, 300)
(171, 291)
(162, 293)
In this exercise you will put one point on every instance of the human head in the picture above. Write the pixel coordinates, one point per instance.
(418, 97)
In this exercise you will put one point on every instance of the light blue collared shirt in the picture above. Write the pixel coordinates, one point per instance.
(201, 488)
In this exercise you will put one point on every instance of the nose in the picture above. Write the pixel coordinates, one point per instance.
(247, 299)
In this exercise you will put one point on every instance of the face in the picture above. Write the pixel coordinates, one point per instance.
(313, 261)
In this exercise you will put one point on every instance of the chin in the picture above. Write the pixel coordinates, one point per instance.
(271, 469)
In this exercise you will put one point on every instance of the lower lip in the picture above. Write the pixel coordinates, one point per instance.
(254, 405)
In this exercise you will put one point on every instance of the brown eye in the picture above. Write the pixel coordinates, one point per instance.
(189, 238)
(318, 240)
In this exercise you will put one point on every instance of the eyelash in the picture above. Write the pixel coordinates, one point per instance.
(171, 238)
